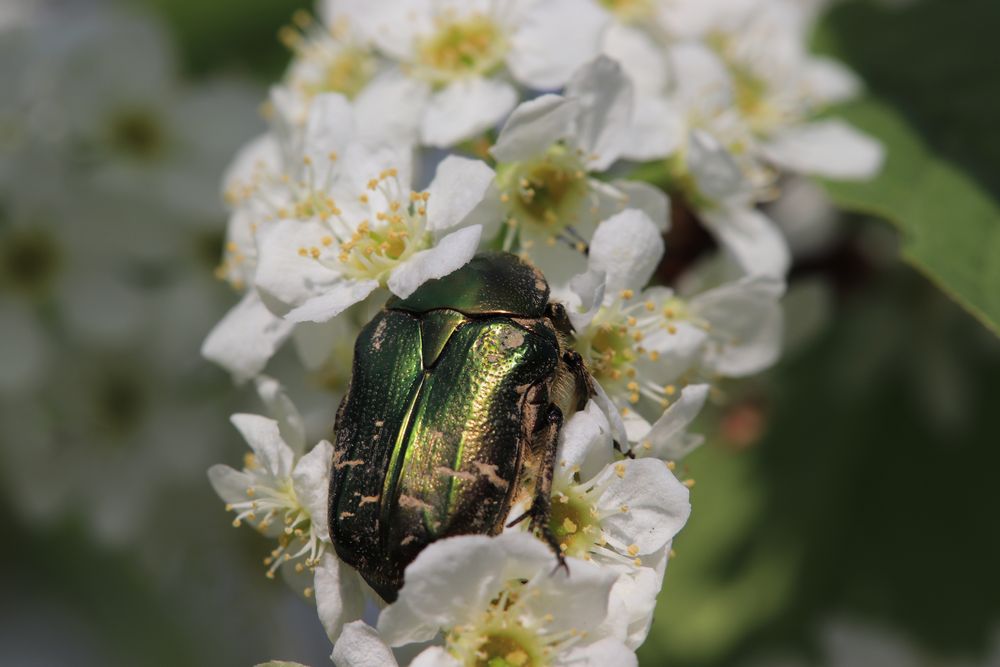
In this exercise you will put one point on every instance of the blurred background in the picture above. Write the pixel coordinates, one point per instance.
(847, 508)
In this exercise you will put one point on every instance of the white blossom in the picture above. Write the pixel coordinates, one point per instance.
(547, 152)
(499, 598)
(464, 54)
(281, 490)
(621, 514)
(644, 346)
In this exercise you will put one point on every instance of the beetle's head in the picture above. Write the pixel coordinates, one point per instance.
(556, 313)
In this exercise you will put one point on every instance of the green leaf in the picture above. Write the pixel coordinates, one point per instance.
(932, 68)
(280, 663)
(949, 222)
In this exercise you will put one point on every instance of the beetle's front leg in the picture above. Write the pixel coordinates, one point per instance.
(584, 382)
(574, 362)
(541, 505)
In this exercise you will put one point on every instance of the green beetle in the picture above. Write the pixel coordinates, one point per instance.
(457, 396)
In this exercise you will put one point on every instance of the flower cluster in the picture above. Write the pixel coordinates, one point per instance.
(108, 231)
(408, 136)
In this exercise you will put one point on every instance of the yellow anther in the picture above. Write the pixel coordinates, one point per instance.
(569, 526)
(633, 550)
(620, 470)
(628, 294)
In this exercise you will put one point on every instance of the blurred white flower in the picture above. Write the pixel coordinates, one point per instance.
(106, 441)
(82, 125)
(335, 59)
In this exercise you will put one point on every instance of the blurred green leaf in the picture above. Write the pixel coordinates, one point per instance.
(950, 224)
(234, 35)
(280, 663)
(932, 67)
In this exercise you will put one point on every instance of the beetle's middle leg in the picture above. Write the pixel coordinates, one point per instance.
(585, 386)
(546, 443)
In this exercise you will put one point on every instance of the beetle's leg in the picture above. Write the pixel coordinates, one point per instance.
(584, 381)
(618, 448)
(541, 505)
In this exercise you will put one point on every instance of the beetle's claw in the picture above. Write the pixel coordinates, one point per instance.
(561, 564)
(519, 519)
(618, 448)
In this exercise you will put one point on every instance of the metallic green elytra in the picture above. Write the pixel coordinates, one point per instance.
(452, 416)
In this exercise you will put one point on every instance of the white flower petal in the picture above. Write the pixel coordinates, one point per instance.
(603, 652)
(449, 254)
(264, 438)
(281, 409)
(747, 325)
(585, 443)
(751, 238)
(604, 94)
(284, 277)
(261, 153)
(554, 38)
(633, 599)
(311, 481)
(658, 504)
(585, 590)
(533, 127)
(435, 656)
(641, 58)
(713, 168)
(231, 485)
(647, 198)
(668, 438)
(334, 300)
(389, 108)
(360, 646)
(829, 148)
(317, 343)
(464, 109)
(611, 412)
(459, 186)
(588, 290)
(658, 130)
(329, 129)
(829, 81)
(246, 338)
(627, 247)
(449, 578)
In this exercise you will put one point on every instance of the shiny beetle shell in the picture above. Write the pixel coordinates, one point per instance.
(452, 416)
